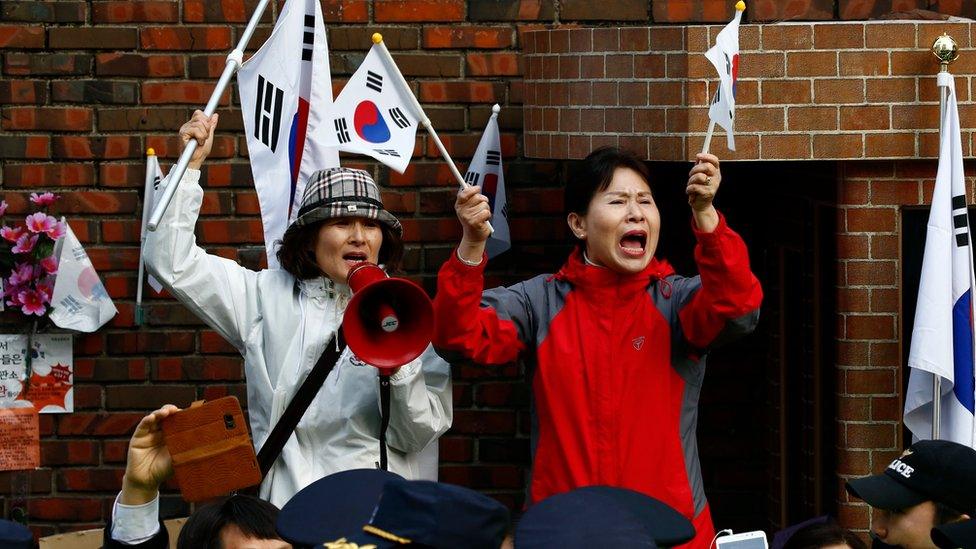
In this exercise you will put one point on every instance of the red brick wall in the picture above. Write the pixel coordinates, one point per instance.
(86, 87)
(804, 92)
(870, 301)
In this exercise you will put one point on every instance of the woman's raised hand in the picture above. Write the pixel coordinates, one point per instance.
(703, 182)
(149, 463)
(474, 214)
(199, 128)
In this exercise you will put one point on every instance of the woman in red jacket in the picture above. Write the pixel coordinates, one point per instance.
(616, 341)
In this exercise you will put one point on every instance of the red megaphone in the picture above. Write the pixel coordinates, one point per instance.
(389, 321)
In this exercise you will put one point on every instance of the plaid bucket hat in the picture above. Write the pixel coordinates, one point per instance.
(343, 192)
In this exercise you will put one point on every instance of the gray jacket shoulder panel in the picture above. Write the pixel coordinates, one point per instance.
(670, 296)
(530, 305)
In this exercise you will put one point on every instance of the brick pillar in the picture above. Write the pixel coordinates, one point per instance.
(869, 324)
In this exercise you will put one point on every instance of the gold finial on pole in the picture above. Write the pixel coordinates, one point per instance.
(946, 50)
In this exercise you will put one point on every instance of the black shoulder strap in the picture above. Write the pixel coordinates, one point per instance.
(303, 398)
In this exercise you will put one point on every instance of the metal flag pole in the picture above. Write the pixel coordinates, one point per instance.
(419, 112)
(234, 61)
(946, 50)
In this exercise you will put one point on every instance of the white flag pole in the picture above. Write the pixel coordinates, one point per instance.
(234, 61)
(708, 136)
(419, 111)
(947, 51)
(146, 208)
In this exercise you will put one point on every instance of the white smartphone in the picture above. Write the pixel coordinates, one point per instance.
(746, 540)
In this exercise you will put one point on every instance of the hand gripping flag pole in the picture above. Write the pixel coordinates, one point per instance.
(234, 61)
(419, 111)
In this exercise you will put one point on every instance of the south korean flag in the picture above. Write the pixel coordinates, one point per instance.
(286, 93)
(724, 56)
(372, 116)
(486, 170)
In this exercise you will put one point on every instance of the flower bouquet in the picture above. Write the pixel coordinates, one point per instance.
(27, 262)
(28, 267)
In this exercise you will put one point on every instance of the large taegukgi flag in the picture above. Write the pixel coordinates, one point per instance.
(372, 114)
(724, 56)
(942, 337)
(286, 93)
(486, 170)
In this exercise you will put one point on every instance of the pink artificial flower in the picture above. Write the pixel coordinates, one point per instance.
(13, 301)
(32, 303)
(3, 207)
(46, 289)
(57, 231)
(49, 264)
(11, 234)
(21, 274)
(40, 222)
(25, 244)
(44, 199)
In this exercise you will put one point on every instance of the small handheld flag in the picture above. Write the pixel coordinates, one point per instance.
(79, 301)
(380, 76)
(486, 170)
(154, 176)
(724, 56)
(943, 335)
(286, 94)
(373, 116)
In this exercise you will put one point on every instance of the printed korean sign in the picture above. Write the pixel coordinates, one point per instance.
(52, 377)
(20, 433)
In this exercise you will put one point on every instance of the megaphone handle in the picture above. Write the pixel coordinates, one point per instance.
(384, 417)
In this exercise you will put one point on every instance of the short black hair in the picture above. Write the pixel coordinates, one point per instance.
(594, 174)
(255, 518)
(295, 253)
(823, 534)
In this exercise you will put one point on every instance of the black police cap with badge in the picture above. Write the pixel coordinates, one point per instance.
(930, 470)
(331, 507)
(374, 509)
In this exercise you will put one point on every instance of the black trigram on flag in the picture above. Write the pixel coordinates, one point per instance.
(493, 158)
(397, 115)
(342, 130)
(267, 113)
(309, 39)
(471, 178)
(71, 303)
(374, 81)
(960, 221)
(387, 152)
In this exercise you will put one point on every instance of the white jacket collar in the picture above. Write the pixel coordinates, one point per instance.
(323, 287)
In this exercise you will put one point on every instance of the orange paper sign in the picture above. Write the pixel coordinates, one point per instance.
(48, 390)
(20, 439)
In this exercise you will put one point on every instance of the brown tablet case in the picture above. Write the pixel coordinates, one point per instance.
(211, 449)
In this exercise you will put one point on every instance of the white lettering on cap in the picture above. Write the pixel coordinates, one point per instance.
(902, 468)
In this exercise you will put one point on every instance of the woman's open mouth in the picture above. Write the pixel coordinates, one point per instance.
(353, 258)
(633, 243)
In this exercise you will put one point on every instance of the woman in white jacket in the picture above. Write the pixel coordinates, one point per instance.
(281, 320)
